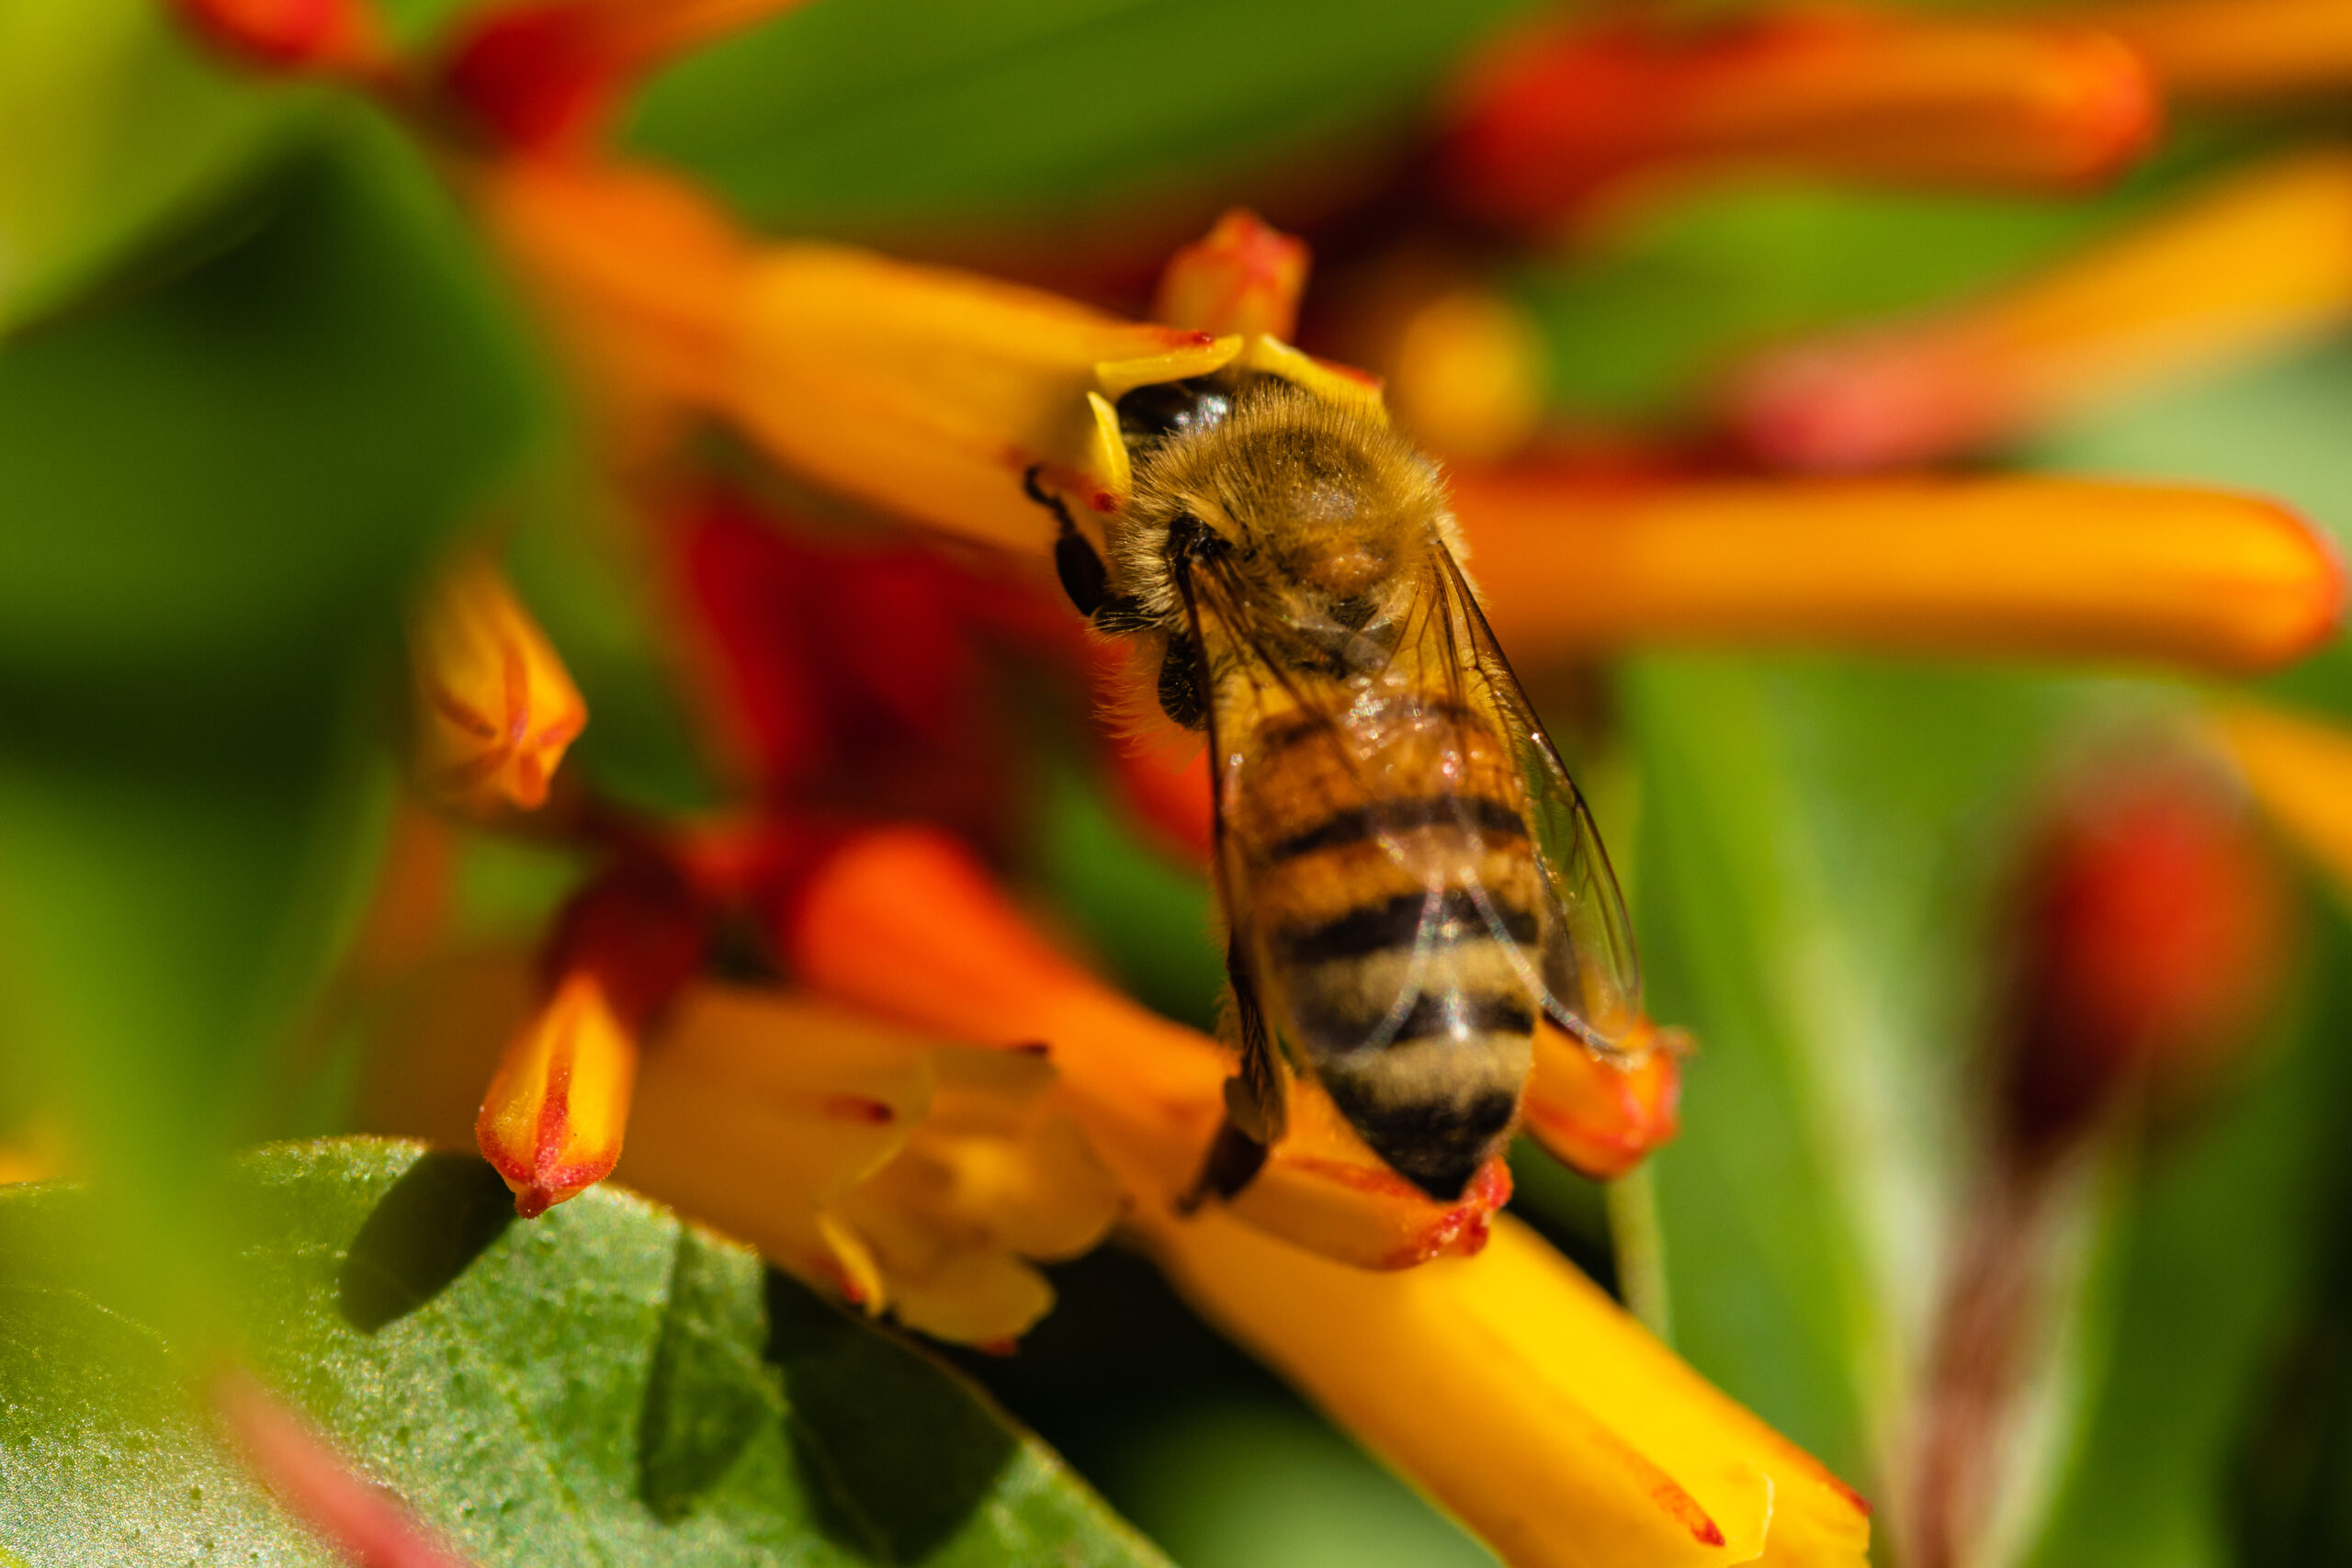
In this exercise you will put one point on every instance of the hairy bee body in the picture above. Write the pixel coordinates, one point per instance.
(1366, 887)
(1398, 932)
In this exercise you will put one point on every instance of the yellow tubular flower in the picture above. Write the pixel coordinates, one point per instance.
(494, 707)
(909, 1176)
(552, 1120)
(2233, 50)
(1991, 566)
(1527, 1403)
(903, 921)
(2262, 261)
(2301, 771)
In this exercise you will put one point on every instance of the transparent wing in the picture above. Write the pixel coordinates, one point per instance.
(1592, 978)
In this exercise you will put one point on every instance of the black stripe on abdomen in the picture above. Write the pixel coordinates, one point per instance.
(1401, 921)
(1459, 1014)
(1486, 817)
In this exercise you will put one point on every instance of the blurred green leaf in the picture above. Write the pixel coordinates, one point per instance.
(216, 495)
(112, 127)
(1818, 840)
(601, 1386)
(914, 113)
(2218, 1249)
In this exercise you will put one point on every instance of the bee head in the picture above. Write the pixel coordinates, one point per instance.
(1318, 515)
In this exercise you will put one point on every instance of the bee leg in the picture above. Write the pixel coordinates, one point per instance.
(1235, 1159)
(1084, 577)
(1182, 695)
(1254, 1112)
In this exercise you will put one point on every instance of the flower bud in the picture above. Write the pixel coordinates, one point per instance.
(2152, 922)
(494, 707)
(1244, 277)
(553, 1118)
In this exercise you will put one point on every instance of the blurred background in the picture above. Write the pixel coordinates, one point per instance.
(2021, 1003)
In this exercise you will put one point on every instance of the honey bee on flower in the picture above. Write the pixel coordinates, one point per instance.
(1410, 880)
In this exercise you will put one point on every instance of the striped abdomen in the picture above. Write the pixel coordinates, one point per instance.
(1394, 898)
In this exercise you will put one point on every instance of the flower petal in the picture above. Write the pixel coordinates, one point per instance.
(318, 1486)
(1523, 1400)
(325, 37)
(2262, 261)
(1552, 111)
(553, 1117)
(904, 922)
(2233, 50)
(2301, 770)
(931, 392)
(494, 708)
(1245, 277)
(1599, 1117)
(2005, 566)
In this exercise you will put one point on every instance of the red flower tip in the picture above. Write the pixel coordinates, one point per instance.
(1553, 114)
(327, 36)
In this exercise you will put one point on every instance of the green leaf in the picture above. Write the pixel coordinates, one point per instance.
(914, 113)
(217, 494)
(1819, 841)
(601, 1386)
(112, 129)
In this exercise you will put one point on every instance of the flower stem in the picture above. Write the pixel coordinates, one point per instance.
(1640, 1241)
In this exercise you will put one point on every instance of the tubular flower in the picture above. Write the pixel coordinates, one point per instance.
(553, 1117)
(1525, 1400)
(548, 72)
(909, 1176)
(2229, 49)
(2261, 260)
(321, 37)
(932, 394)
(494, 707)
(904, 922)
(318, 1486)
(1551, 113)
(2301, 771)
(2021, 565)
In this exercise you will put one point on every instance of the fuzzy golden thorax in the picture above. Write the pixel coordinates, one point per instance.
(1328, 516)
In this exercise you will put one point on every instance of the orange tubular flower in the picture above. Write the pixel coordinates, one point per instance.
(1997, 565)
(2231, 50)
(2263, 261)
(909, 1176)
(1551, 113)
(494, 708)
(1526, 1402)
(904, 922)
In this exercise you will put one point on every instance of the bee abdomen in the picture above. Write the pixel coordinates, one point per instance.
(1491, 818)
(1407, 921)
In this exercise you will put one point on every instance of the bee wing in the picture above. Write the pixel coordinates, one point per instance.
(1451, 688)
(1591, 977)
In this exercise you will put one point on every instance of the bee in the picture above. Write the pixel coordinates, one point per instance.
(1410, 879)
